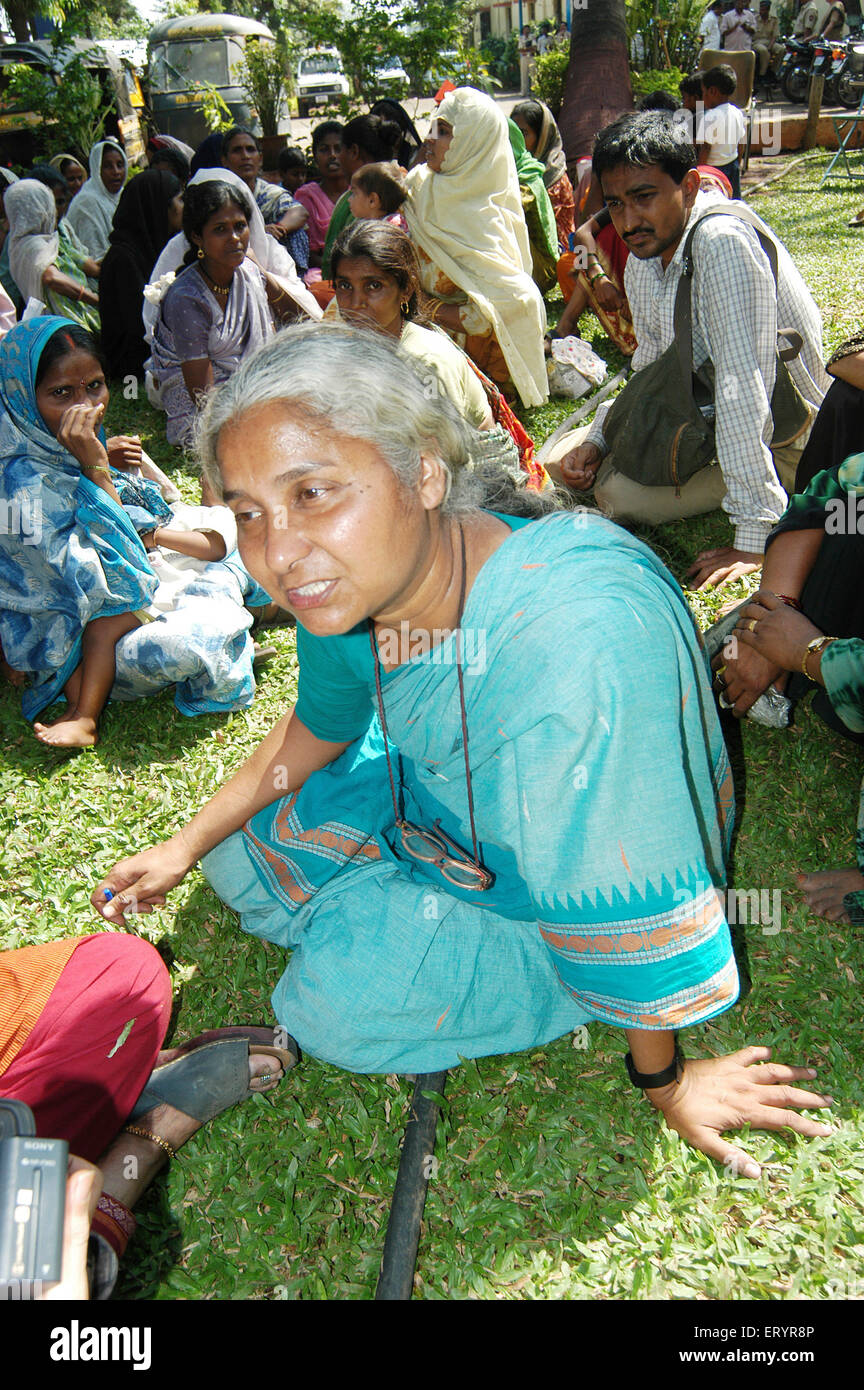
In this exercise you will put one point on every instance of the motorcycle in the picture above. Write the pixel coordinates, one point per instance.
(795, 69)
(806, 58)
(850, 79)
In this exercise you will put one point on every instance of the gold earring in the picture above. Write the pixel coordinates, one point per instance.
(405, 306)
(200, 253)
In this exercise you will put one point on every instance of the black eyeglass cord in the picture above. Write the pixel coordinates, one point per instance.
(399, 809)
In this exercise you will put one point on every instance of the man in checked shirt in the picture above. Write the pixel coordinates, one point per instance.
(647, 171)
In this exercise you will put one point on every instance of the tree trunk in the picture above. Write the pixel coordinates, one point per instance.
(597, 85)
(18, 15)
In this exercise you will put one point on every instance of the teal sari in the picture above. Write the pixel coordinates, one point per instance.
(602, 799)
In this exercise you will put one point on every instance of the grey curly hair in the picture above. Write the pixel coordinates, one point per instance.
(356, 383)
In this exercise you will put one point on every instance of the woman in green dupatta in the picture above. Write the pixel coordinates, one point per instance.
(539, 213)
(42, 266)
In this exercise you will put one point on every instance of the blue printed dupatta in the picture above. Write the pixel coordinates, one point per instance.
(68, 553)
(603, 805)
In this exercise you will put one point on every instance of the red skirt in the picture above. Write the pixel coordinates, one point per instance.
(87, 1059)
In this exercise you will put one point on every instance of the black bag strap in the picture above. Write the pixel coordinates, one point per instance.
(683, 312)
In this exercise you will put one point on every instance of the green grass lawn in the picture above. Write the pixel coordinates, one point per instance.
(554, 1178)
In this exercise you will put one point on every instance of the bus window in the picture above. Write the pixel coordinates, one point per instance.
(176, 66)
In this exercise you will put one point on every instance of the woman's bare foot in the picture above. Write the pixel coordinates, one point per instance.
(71, 730)
(824, 892)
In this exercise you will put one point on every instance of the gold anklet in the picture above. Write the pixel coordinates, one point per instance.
(145, 1134)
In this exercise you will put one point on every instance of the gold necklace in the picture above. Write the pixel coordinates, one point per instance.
(211, 285)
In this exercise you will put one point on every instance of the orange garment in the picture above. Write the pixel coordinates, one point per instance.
(618, 325)
(563, 202)
(322, 290)
(478, 336)
(27, 977)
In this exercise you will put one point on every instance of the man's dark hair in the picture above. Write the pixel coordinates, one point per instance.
(722, 79)
(645, 137)
(658, 101)
(691, 86)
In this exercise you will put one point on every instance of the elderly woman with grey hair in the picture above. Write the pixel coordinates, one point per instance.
(396, 828)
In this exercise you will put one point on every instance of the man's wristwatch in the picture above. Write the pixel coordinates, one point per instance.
(646, 1081)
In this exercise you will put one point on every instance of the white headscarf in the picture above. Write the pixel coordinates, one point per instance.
(7, 175)
(469, 220)
(33, 239)
(268, 252)
(91, 212)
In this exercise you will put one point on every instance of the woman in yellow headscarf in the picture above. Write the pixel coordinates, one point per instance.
(464, 213)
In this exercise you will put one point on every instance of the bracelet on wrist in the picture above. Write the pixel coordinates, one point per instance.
(817, 646)
(645, 1081)
(790, 602)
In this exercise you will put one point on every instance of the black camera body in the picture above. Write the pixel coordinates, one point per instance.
(32, 1199)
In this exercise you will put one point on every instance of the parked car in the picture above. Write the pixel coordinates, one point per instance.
(19, 130)
(391, 79)
(320, 80)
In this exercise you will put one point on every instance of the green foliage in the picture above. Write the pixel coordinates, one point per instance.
(376, 31)
(426, 30)
(264, 73)
(551, 75)
(664, 33)
(656, 80)
(216, 112)
(74, 111)
(470, 69)
(115, 19)
(502, 58)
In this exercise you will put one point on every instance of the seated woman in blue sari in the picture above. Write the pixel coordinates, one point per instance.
(85, 611)
(471, 842)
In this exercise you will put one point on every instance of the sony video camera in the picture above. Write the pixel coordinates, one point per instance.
(32, 1199)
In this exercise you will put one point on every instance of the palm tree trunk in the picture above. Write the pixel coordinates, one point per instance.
(597, 85)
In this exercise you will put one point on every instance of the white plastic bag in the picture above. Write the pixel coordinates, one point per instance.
(573, 352)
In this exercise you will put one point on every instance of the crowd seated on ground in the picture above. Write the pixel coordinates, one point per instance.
(423, 483)
(118, 591)
(92, 211)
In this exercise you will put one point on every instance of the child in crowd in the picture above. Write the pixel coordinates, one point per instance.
(377, 193)
(293, 169)
(720, 131)
(691, 102)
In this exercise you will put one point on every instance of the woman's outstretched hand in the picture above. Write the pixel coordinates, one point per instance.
(746, 1087)
(140, 884)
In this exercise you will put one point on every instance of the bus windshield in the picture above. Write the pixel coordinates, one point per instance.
(174, 66)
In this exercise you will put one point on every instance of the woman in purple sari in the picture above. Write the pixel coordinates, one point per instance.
(217, 310)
